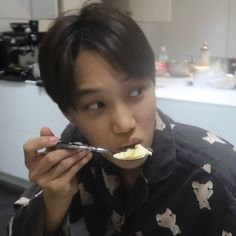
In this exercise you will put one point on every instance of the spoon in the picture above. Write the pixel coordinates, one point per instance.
(89, 148)
(125, 164)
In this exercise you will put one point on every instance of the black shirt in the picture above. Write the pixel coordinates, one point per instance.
(187, 187)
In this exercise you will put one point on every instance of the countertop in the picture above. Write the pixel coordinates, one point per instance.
(179, 89)
(174, 89)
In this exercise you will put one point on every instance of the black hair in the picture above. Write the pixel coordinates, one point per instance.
(99, 28)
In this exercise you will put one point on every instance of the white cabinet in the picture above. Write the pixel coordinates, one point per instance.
(210, 24)
(193, 22)
(15, 9)
(144, 11)
(44, 9)
(178, 34)
(66, 5)
(16, 127)
(231, 49)
(150, 10)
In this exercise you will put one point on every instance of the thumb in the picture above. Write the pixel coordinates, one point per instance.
(45, 131)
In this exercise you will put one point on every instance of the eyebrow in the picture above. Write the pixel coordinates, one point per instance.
(85, 92)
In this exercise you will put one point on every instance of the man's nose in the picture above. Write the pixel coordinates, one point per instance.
(123, 120)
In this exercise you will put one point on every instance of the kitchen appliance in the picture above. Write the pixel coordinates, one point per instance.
(18, 50)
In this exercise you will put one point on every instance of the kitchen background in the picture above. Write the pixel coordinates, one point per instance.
(181, 26)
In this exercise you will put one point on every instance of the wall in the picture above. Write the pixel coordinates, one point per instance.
(192, 23)
(24, 10)
(14, 10)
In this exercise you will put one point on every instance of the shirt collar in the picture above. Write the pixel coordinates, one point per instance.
(161, 164)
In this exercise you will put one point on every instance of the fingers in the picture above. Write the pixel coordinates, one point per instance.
(45, 131)
(65, 184)
(60, 176)
(67, 176)
(59, 159)
(33, 145)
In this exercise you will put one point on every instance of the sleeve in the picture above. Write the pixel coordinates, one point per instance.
(227, 174)
(29, 215)
(230, 214)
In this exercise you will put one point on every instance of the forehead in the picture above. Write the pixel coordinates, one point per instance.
(91, 68)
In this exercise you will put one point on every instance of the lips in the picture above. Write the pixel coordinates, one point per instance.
(130, 143)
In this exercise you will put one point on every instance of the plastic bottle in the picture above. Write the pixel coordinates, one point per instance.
(163, 56)
(162, 63)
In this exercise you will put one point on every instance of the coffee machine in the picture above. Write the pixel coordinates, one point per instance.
(19, 49)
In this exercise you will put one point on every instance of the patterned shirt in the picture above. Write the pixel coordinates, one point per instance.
(187, 187)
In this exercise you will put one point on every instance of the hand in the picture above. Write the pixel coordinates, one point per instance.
(55, 169)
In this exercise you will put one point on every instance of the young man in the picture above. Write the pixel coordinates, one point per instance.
(98, 67)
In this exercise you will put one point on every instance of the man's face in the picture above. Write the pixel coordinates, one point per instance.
(113, 111)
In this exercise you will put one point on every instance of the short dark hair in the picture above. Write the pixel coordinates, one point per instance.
(96, 27)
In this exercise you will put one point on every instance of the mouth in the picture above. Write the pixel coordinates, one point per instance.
(130, 144)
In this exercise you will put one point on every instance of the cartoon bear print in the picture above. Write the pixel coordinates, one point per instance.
(86, 197)
(168, 220)
(160, 125)
(113, 224)
(112, 182)
(224, 233)
(203, 192)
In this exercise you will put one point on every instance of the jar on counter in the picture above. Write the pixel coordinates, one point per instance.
(205, 55)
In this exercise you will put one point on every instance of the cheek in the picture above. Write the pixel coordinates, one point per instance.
(147, 117)
(149, 107)
(92, 130)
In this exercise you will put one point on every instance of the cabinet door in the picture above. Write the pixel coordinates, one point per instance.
(231, 51)
(211, 25)
(144, 10)
(15, 9)
(65, 5)
(150, 10)
(121, 5)
(178, 35)
(44, 9)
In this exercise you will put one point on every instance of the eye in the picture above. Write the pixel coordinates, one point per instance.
(136, 92)
(95, 105)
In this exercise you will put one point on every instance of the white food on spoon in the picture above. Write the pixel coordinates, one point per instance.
(139, 151)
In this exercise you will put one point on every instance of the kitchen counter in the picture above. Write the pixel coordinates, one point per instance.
(179, 89)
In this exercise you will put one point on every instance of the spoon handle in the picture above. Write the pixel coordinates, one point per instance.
(62, 144)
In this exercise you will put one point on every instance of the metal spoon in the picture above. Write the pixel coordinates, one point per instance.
(89, 148)
(125, 164)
